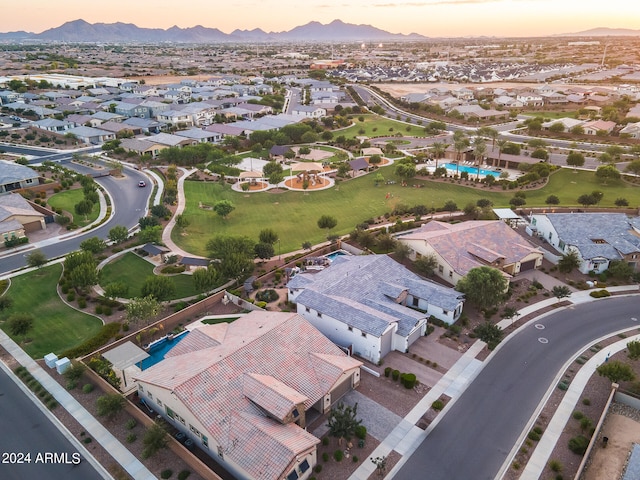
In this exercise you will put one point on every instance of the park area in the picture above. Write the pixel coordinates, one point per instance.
(355, 201)
(133, 271)
(55, 326)
(66, 200)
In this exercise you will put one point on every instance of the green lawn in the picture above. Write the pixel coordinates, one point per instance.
(133, 271)
(294, 215)
(67, 199)
(376, 126)
(56, 326)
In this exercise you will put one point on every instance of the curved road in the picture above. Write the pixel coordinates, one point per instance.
(476, 435)
(129, 204)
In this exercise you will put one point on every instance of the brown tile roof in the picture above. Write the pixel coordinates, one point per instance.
(210, 369)
(472, 244)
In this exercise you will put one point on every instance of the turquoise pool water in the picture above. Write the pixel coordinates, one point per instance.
(337, 253)
(468, 169)
(160, 349)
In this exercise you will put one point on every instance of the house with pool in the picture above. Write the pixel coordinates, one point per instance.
(371, 304)
(245, 391)
(462, 246)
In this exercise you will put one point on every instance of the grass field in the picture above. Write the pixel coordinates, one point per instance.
(56, 326)
(376, 126)
(294, 215)
(67, 199)
(133, 271)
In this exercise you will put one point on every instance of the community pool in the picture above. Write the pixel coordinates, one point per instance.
(159, 349)
(468, 169)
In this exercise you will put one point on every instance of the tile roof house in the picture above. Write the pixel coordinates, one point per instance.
(14, 176)
(245, 391)
(371, 304)
(598, 238)
(18, 217)
(460, 247)
(592, 128)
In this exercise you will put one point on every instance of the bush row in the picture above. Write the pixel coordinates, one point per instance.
(36, 387)
(107, 332)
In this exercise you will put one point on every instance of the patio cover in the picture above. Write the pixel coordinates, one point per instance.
(125, 355)
(359, 164)
(252, 174)
(306, 167)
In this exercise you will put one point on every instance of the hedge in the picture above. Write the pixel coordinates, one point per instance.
(107, 332)
(600, 293)
(408, 380)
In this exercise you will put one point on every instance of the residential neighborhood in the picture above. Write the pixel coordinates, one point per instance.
(305, 260)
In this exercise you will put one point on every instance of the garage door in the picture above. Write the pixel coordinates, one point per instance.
(530, 265)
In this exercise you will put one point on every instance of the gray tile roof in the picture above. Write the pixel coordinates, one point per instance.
(583, 229)
(13, 172)
(362, 292)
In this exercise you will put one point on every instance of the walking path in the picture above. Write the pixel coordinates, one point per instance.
(406, 436)
(119, 452)
(166, 233)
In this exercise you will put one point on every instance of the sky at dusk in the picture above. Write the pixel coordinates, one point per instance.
(436, 18)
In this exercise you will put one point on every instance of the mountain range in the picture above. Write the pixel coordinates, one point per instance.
(78, 31)
(604, 32)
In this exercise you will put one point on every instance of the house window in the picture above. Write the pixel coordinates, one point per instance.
(364, 335)
(304, 466)
(195, 430)
(205, 441)
(319, 314)
(295, 413)
(307, 309)
(445, 312)
(150, 395)
(350, 328)
(293, 476)
(440, 268)
(561, 245)
(416, 301)
(550, 235)
(170, 413)
(159, 402)
(140, 388)
(220, 453)
(451, 274)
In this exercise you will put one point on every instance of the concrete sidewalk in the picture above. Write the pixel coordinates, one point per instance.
(166, 233)
(119, 452)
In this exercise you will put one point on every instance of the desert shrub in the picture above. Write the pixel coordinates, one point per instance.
(87, 388)
(166, 473)
(360, 431)
(325, 441)
(318, 467)
(586, 401)
(600, 293)
(132, 437)
(355, 459)
(171, 269)
(578, 415)
(579, 444)
(131, 423)
(437, 405)
(338, 455)
(184, 474)
(387, 371)
(325, 457)
(534, 434)
(395, 374)
(408, 380)
(267, 296)
(555, 465)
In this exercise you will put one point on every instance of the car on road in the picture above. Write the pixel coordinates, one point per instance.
(142, 183)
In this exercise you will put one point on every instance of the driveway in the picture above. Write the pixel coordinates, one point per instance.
(545, 279)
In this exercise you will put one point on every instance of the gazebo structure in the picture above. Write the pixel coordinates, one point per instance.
(308, 171)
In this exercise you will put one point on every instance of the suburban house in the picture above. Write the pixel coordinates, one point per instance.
(597, 126)
(245, 391)
(631, 130)
(462, 246)
(142, 146)
(92, 135)
(370, 304)
(18, 217)
(598, 238)
(14, 176)
(309, 111)
(53, 125)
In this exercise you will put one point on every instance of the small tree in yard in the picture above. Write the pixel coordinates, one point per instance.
(483, 286)
(569, 261)
(109, 405)
(155, 438)
(118, 234)
(561, 291)
(327, 222)
(509, 313)
(342, 422)
(381, 465)
(114, 290)
(142, 309)
(426, 265)
(616, 371)
(489, 333)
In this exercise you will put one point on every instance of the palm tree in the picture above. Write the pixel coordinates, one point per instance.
(501, 145)
(460, 142)
(479, 150)
(438, 149)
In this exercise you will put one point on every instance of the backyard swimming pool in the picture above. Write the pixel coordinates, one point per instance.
(471, 170)
(337, 253)
(159, 349)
